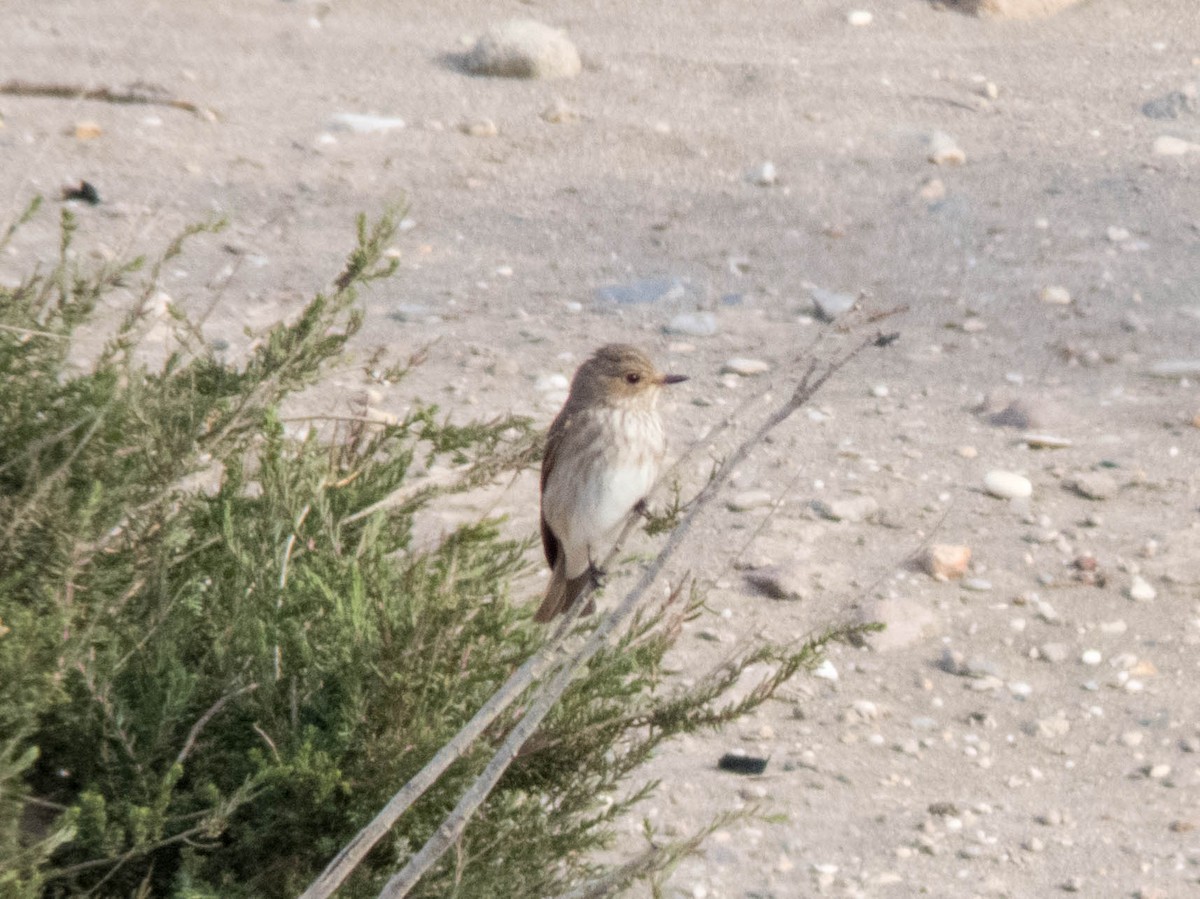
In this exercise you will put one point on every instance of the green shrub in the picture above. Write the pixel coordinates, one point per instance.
(206, 692)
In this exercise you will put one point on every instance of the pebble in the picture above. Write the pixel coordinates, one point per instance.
(357, 123)
(692, 324)
(479, 128)
(1056, 295)
(552, 383)
(852, 509)
(1116, 234)
(826, 671)
(763, 174)
(932, 190)
(747, 368)
(905, 622)
(1054, 652)
(1095, 485)
(750, 499)
(831, 305)
(1174, 146)
(644, 291)
(559, 113)
(1140, 590)
(88, 130)
(977, 584)
(1007, 485)
(1174, 104)
(1176, 368)
(1046, 441)
(524, 48)
(944, 150)
(946, 561)
(859, 18)
(1091, 657)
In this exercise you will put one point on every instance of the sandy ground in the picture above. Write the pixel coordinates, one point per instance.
(971, 752)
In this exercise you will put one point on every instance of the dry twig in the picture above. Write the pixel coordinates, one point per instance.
(138, 93)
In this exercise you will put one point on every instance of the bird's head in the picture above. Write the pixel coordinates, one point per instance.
(620, 375)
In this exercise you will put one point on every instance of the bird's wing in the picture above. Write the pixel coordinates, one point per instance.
(554, 440)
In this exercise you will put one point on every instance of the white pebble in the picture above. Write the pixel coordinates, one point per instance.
(826, 671)
(1091, 657)
(860, 17)
(745, 367)
(1056, 295)
(1140, 590)
(1007, 485)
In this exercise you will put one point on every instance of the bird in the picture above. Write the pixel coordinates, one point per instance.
(603, 453)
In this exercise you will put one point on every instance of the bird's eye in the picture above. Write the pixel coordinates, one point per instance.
(632, 377)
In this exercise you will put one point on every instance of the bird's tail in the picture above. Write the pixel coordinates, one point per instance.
(562, 593)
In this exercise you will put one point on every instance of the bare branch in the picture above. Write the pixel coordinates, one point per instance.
(194, 734)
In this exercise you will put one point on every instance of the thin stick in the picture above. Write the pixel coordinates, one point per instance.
(140, 94)
(194, 734)
(452, 828)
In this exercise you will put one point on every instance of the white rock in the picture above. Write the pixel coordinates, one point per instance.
(853, 509)
(1056, 295)
(1174, 146)
(1045, 441)
(356, 123)
(826, 671)
(1140, 590)
(859, 18)
(747, 368)
(1007, 485)
(830, 304)
(944, 150)
(1176, 368)
(1091, 657)
(1117, 234)
(764, 175)
(524, 48)
(750, 499)
(692, 324)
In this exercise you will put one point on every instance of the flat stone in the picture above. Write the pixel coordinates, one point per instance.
(357, 123)
(692, 324)
(831, 305)
(524, 48)
(906, 622)
(1046, 441)
(1095, 485)
(643, 291)
(747, 368)
(1175, 368)
(852, 509)
(1007, 485)
(750, 499)
(1167, 145)
(1140, 590)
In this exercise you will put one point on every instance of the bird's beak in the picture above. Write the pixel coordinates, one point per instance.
(672, 379)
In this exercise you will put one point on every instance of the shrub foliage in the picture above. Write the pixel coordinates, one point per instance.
(220, 651)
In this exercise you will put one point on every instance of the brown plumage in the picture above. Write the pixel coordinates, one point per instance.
(602, 457)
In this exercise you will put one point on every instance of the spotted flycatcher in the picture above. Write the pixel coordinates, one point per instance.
(602, 457)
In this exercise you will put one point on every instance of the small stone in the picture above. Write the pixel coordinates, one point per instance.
(1095, 485)
(932, 190)
(1055, 295)
(1174, 104)
(1007, 485)
(692, 324)
(1116, 234)
(944, 150)
(559, 113)
(1054, 652)
(852, 509)
(1176, 368)
(826, 671)
(1174, 146)
(945, 561)
(1132, 738)
(357, 123)
(859, 18)
(524, 48)
(1072, 884)
(747, 368)
(750, 499)
(1046, 441)
(973, 325)
(647, 290)
(1140, 590)
(831, 305)
(1091, 657)
(967, 452)
(764, 175)
(479, 128)
(880, 391)
(88, 130)
(977, 584)
(1159, 771)
(905, 622)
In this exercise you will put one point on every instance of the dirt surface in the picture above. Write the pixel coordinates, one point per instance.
(972, 750)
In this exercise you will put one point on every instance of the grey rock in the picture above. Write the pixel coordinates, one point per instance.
(831, 305)
(524, 48)
(643, 291)
(852, 509)
(692, 324)
(1175, 104)
(1095, 485)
